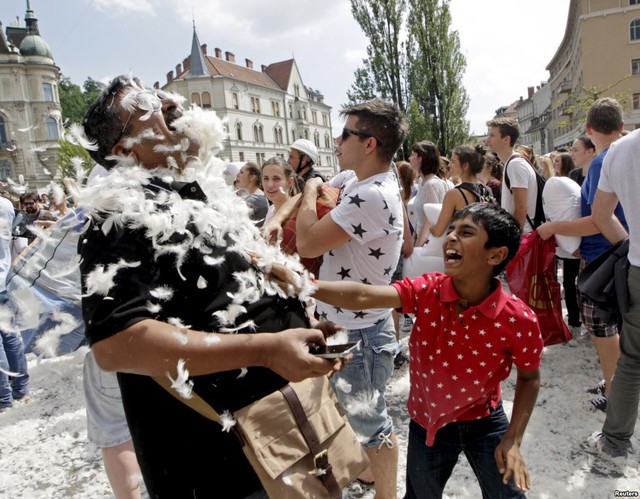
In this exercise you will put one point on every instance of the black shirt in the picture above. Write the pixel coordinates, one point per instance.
(181, 453)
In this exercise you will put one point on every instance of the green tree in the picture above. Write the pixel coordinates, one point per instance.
(383, 71)
(439, 101)
(68, 151)
(92, 89)
(72, 101)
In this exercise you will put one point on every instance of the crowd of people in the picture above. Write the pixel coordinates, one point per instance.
(187, 273)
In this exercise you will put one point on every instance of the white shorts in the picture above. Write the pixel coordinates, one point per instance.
(106, 422)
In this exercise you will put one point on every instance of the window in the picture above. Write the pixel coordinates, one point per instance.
(304, 113)
(327, 141)
(325, 119)
(278, 135)
(239, 130)
(47, 88)
(260, 158)
(314, 117)
(241, 156)
(275, 108)
(234, 101)
(195, 98)
(3, 133)
(258, 134)
(306, 134)
(52, 129)
(293, 135)
(635, 67)
(290, 111)
(296, 90)
(5, 169)
(206, 99)
(255, 104)
(634, 30)
(636, 102)
(316, 138)
(634, 2)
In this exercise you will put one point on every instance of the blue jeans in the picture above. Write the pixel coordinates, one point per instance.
(12, 359)
(361, 384)
(429, 468)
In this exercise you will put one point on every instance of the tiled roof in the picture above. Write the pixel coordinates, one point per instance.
(220, 67)
(280, 72)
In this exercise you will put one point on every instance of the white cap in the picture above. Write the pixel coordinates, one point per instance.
(306, 147)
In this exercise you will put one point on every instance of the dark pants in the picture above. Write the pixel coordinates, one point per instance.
(429, 468)
(570, 269)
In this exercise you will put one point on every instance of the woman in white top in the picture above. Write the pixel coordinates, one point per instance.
(561, 200)
(425, 160)
(278, 182)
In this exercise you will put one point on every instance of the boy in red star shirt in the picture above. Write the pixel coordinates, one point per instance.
(467, 335)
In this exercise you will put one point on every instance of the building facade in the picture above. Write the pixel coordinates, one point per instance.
(30, 112)
(599, 56)
(265, 111)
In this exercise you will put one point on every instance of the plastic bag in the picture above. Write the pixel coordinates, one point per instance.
(531, 276)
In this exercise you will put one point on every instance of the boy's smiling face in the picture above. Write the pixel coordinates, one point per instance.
(465, 252)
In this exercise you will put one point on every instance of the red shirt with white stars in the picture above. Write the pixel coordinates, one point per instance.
(458, 362)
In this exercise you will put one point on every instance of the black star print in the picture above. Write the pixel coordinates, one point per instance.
(356, 200)
(391, 219)
(378, 183)
(386, 231)
(359, 315)
(365, 281)
(385, 206)
(344, 273)
(358, 230)
(331, 253)
(323, 316)
(338, 310)
(377, 253)
(388, 271)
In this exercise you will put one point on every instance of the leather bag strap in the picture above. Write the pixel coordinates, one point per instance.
(320, 457)
(196, 402)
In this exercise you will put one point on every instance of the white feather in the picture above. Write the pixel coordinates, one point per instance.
(211, 339)
(177, 322)
(101, 279)
(343, 385)
(228, 421)
(202, 282)
(181, 337)
(182, 384)
(162, 293)
(76, 135)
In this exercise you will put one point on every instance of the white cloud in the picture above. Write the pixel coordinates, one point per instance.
(117, 8)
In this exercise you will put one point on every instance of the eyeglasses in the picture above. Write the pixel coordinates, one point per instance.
(346, 132)
(28, 203)
(144, 100)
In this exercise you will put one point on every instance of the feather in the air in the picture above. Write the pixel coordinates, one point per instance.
(182, 384)
(228, 421)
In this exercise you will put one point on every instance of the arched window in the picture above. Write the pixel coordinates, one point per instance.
(258, 135)
(3, 133)
(239, 130)
(306, 134)
(316, 138)
(634, 30)
(206, 100)
(327, 141)
(52, 129)
(195, 98)
(277, 132)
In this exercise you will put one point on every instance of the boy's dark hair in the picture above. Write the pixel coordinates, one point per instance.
(383, 121)
(605, 115)
(508, 127)
(429, 155)
(472, 155)
(102, 123)
(502, 229)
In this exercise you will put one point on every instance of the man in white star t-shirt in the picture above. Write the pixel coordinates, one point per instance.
(467, 335)
(360, 241)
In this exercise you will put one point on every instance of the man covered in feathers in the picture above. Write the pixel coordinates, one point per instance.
(170, 290)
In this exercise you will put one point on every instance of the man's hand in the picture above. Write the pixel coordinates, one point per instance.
(545, 231)
(286, 279)
(313, 185)
(272, 233)
(288, 355)
(511, 463)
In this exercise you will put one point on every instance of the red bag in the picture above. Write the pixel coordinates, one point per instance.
(531, 276)
(327, 200)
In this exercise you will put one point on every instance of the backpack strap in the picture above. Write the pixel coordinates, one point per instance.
(461, 191)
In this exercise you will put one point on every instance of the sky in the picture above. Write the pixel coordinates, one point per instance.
(507, 43)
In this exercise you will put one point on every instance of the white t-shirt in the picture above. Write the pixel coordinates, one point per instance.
(7, 214)
(561, 201)
(370, 211)
(431, 190)
(521, 175)
(620, 175)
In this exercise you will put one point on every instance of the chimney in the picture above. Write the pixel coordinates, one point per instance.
(203, 47)
(249, 63)
(169, 76)
(218, 53)
(156, 85)
(530, 91)
(178, 70)
(230, 57)
(186, 63)
(263, 68)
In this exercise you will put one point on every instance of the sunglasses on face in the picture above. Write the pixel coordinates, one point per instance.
(28, 203)
(346, 132)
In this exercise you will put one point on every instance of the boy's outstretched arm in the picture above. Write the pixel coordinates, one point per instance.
(508, 458)
(356, 296)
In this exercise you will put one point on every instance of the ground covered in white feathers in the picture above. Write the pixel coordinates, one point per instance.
(44, 451)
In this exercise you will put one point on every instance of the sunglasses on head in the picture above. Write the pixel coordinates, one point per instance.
(346, 132)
